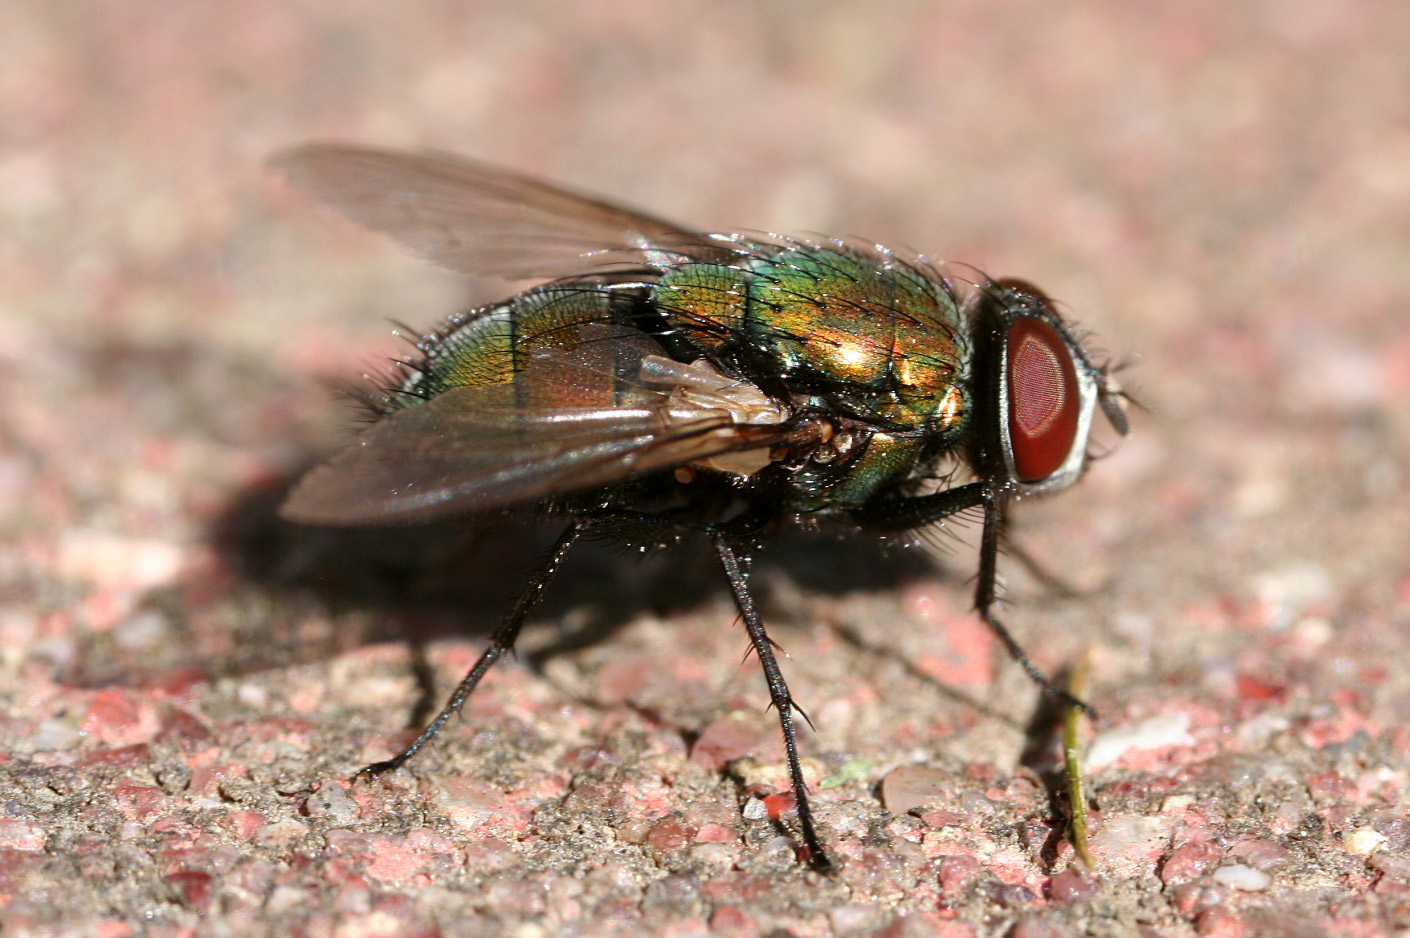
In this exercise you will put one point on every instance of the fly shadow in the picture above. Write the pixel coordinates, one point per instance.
(458, 577)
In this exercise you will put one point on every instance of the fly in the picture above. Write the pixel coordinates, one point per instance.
(660, 383)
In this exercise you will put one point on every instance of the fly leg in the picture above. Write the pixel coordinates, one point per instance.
(986, 598)
(778, 692)
(902, 514)
(500, 642)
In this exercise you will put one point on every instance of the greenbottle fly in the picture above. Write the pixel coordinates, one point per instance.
(660, 383)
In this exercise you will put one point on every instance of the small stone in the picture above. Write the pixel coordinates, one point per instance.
(854, 917)
(243, 824)
(491, 854)
(1189, 862)
(957, 872)
(715, 833)
(1071, 886)
(942, 818)
(1219, 922)
(1243, 878)
(1392, 867)
(281, 835)
(668, 836)
(332, 804)
(720, 856)
(284, 900)
(912, 786)
(16, 834)
(1261, 854)
(1364, 841)
(780, 803)
(1132, 836)
(1168, 729)
(471, 804)
(726, 739)
(138, 802)
(194, 887)
(729, 918)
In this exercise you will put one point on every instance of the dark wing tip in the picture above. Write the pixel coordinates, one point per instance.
(287, 157)
(314, 500)
(348, 489)
(290, 161)
(324, 169)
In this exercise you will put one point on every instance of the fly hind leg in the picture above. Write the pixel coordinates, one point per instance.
(501, 642)
(778, 692)
(633, 527)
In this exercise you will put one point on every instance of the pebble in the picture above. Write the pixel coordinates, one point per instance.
(1364, 841)
(1263, 855)
(332, 804)
(1071, 886)
(1168, 729)
(911, 786)
(1243, 878)
(1189, 862)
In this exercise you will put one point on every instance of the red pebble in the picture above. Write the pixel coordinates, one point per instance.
(1071, 886)
(780, 804)
(138, 802)
(1263, 855)
(1252, 688)
(729, 918)
(726, 739)
(713, 833)
(1219, 922)
(1330, 786)
(957, 872)
(243, 824)
(669, 835)
(111, 715)
(194, 886)
(1189, 862)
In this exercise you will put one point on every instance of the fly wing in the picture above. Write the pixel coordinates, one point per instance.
(590, 415)
(479, 219)
(448, 457)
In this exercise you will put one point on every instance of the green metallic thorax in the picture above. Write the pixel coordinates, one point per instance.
(862, 336)
(878, 344)
(879, 341)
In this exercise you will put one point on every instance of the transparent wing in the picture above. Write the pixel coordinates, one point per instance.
(589, 415)
(479, 219)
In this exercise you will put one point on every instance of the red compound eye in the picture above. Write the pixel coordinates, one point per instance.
(1043, 399)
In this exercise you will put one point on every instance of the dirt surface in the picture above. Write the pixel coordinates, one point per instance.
(1220, 192)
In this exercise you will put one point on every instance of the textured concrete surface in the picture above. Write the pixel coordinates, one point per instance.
(1221, 192)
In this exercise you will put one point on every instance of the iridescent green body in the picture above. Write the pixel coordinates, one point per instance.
(877, 344)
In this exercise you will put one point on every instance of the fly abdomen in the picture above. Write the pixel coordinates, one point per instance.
(494, 344)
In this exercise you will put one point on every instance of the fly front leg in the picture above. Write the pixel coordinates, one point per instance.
(904, 514)
(778, 693)
(501, 641)
(986, 599)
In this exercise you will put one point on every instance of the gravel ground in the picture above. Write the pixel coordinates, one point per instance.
(1221, 192)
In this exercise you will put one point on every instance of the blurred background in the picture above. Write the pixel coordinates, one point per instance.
(1220, 192)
